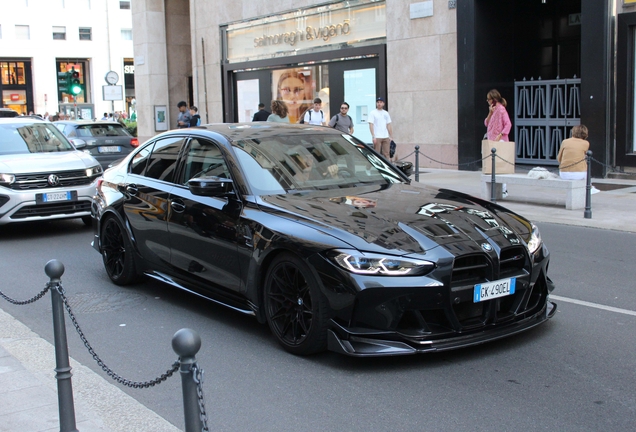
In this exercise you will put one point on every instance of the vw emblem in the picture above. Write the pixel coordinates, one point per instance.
(54, 180)
(486, 247)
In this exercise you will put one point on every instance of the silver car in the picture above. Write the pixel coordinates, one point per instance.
(42, 176)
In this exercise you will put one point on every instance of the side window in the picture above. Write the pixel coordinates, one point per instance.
(163, 159)
(138, 162)
(204, 158)
(70, 132)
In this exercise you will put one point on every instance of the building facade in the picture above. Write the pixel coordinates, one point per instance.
(433, 61)
(44, 42)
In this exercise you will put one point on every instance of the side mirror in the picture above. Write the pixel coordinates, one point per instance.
(210, 186)
(78, 143)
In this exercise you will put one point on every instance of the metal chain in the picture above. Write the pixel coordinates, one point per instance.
(456, 164)
(109, 372)
(612, 168)
(29, 301)
(197, 376)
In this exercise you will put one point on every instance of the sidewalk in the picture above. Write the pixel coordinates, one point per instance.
(28, 389)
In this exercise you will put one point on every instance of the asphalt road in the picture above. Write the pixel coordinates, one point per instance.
(575, 373)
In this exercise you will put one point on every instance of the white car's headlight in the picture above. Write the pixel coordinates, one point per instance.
(381, 265)
(93, 171)
(7, 179)
(535, 240)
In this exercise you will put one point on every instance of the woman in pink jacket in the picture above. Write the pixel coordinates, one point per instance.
(497, 123)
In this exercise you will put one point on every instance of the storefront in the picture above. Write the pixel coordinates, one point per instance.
(335, 52)
(626, 88)
(16, 86)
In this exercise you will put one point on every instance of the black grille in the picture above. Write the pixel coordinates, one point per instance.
(40, 180)
(470, 270)
(512, 261)
(67, 208)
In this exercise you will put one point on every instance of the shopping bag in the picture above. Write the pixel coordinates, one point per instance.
(505, 151)
(392, 149)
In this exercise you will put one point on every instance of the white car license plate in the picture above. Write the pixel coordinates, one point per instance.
(56, 196)
(109, 149)
(495, 289)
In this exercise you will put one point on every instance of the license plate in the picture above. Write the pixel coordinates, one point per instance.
(495, 289)
(56, 196)
(109, 149)
(48, 197)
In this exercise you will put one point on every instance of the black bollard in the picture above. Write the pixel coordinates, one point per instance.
(493, 179)
(417, 163)
(186, 343)
(54, 269)
(587, 214)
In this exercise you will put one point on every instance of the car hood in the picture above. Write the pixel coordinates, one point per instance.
(402, 219)
(25, 163)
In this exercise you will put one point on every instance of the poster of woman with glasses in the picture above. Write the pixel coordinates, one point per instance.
(296, 88)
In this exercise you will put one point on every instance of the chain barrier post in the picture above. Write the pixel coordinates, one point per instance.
(587, 214)
(186, 343)
(54, 269)
(493, 179)
(417, 163)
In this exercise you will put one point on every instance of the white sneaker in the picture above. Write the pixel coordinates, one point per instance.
(594, 190)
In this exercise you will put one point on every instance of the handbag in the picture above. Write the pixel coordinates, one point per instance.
(392, 149)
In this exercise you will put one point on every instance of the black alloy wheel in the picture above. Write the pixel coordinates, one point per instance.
(117, 253)
(296, 310)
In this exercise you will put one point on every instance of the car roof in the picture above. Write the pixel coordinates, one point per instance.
(23, 119)
(258, 130)
(88, 122)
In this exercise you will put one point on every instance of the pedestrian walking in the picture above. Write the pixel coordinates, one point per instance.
(497, 123)
(315, 116)
(342, 121)
(279, 112)
(381, 128)
(184, 115)
(261, 114)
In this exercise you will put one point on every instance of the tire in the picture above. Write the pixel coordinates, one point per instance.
(296, 309)
(88, 220)
(117, 253)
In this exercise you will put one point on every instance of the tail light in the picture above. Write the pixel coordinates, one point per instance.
(99, 185)
(134, 142)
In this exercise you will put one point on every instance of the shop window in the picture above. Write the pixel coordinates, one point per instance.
(126, 34)
(59, 33)
(633, 75)
(0, 31)
(124, 4)
(85, 33)
(22, 32)
(12, 73)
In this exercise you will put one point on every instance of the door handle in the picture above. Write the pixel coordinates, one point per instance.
(178, 206)
(132, 189)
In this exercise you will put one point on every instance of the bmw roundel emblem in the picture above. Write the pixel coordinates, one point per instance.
(486, 247)
(53, 180)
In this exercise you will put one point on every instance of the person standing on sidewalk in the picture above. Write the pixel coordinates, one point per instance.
(342, 121)
(261, 114)
(184, 115)
(315, 116)
(497, 123)
(381, 129)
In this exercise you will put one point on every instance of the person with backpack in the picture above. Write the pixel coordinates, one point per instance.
(342, 121)
(315, 116)
(196, 118)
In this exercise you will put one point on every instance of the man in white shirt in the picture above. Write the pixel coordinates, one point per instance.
(381, 128)
(315, 116)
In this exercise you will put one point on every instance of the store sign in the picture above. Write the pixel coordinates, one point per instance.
(15, 97)
(333, 26)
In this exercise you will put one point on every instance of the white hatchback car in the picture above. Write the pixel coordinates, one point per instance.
(42, 175)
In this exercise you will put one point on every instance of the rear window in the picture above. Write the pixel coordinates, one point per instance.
(31, 138)
(101, 130)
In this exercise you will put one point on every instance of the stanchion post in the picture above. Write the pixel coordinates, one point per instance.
(587, 214)
(186, 343)
(417, 163)
(54, 269)
(493, 178)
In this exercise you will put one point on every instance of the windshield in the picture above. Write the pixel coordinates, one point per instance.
(17, 138)
(101, 130)
(292, 163)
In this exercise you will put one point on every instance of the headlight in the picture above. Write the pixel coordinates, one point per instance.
(7, 179)
(535, 240)
(381, 265)
(96, 170)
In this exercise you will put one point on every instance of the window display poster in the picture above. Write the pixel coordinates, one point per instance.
(247, 98)
(296, 87)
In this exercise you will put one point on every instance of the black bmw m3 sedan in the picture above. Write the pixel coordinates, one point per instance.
(317, 235)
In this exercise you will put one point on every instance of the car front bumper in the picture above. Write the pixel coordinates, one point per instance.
(23, 206)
